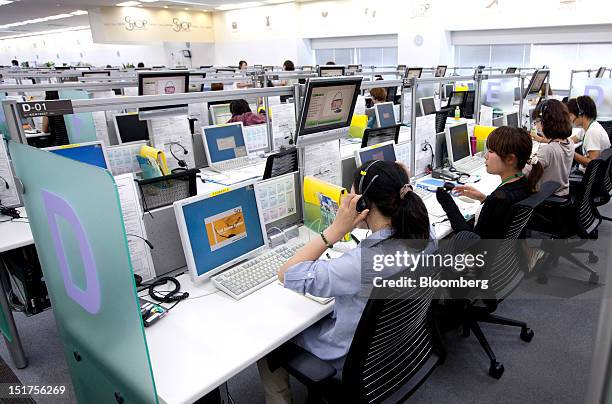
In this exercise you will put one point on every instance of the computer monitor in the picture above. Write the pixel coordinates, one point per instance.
(414, 72)
(537, 82)
(385, 114)
(428, 105)
(90, 153)
(219, 230)
(331, 71)
(448, 90)
(158, 83)
(307, 68)
(220, 113)
(456, 99)
(440, 71)
(95, 73)
(512, 119)
(328, 105)
(391, 93)
(382, 151)
(353, 67)
(224, 142)
(457, 142)
(499, 121)
(281, 163)
(130, 128)
(225, 70)
(380, 135)
(510, 70)
(600, 72)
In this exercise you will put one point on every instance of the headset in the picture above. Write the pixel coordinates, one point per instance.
(580, 112)
(182, 164)
(363, 203)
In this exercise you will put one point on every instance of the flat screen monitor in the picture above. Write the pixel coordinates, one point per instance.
(457, 142)
(456, 99)
(159, 83)
(307, 68)
(130, 128)
(92, 153)
(220, 113)
(391, 94)
(331, 71)
(414, 72)
(224, 142)
(499, 121)
(428, 105)
(328, 105)
(96, 73)
(440, 71)
(448, 90)
(219, 230)
(537, 82)
(385, 114)
(510, 70)
(382, 151)
(380, 135)
(225, 70)
(512, 120)
(600, 72)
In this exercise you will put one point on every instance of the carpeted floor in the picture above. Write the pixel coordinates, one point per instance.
(553, 368)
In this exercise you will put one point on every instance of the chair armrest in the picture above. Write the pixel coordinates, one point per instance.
(556, 201)
(302, 365)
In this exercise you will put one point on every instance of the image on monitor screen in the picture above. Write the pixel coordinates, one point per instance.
(383, 152)
(162, 83)
(440, 71)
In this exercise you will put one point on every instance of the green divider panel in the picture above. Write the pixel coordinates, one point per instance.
(79, 233)
(80, 126)
(3, 127)
(4, 327)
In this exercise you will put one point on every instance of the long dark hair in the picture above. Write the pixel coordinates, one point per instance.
(409, 217)
(239, 107)
(555, 119)
(507, 141)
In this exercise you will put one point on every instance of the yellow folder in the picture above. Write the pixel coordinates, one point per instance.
(482, 133)
(359, 124)
(157, 155)
(325, 198)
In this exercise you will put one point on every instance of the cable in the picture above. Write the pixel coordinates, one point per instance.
(171, 296)
(142, 238)
(425, 146)
(6, 184)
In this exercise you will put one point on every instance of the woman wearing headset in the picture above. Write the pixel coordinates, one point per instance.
(594, 138)
(381, 199)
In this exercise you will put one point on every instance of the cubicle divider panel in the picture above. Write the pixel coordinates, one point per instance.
(498, 93)
(600, 89)
(76, 221)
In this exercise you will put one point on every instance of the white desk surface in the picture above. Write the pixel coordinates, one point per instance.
(205, 341)
(15, 234)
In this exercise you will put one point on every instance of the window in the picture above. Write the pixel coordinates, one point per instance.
(341, 56)
(492, 55)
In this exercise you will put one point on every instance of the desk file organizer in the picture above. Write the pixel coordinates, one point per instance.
(321, 202)
(164, 191)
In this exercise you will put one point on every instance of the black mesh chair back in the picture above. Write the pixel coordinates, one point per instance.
(441, 116)
(505, 269)
(607, 125)
(588, 219)
(606, 191)
(394, 348)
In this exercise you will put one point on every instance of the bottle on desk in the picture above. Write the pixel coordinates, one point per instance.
(457, 113)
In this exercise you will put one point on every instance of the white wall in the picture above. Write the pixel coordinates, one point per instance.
(77, 46)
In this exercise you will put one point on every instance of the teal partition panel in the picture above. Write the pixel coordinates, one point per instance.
(80, 126)
(3, 127)
(78, 229)
(4, 325)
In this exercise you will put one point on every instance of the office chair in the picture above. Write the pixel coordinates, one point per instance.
(603, 192)
(395, 348)
(441, 116)
(607, 125)
(564, 218)
(504, 272)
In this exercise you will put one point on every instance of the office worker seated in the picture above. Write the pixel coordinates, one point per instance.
(554, 158)
(508, 150)
(395, 214)
(379, 95)
(594, 138)
(241, 112)
(242, 65)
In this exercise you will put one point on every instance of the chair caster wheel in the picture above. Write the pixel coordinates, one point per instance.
(496, 370)
(593, 259)
(527, 334)
(594, 279)
(542, 279)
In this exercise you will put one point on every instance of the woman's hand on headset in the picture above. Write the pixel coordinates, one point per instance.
(347, 218)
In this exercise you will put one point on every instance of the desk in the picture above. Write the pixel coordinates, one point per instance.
(14, 235)
(205, 341)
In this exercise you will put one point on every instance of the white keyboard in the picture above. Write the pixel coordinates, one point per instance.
(238, 163)
(246, 278)
(469, 165)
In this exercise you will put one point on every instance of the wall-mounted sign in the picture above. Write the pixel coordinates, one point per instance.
(45, 108)
(134, 24)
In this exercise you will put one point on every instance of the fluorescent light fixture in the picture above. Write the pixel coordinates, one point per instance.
(128, 4)
(5, 2)
(233, 6)
(148, 1)
(277, 1)
(79, 12)
(36, 20)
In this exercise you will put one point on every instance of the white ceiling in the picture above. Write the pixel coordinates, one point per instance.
(22, 10)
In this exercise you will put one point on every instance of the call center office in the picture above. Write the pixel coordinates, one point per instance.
(237, 200)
